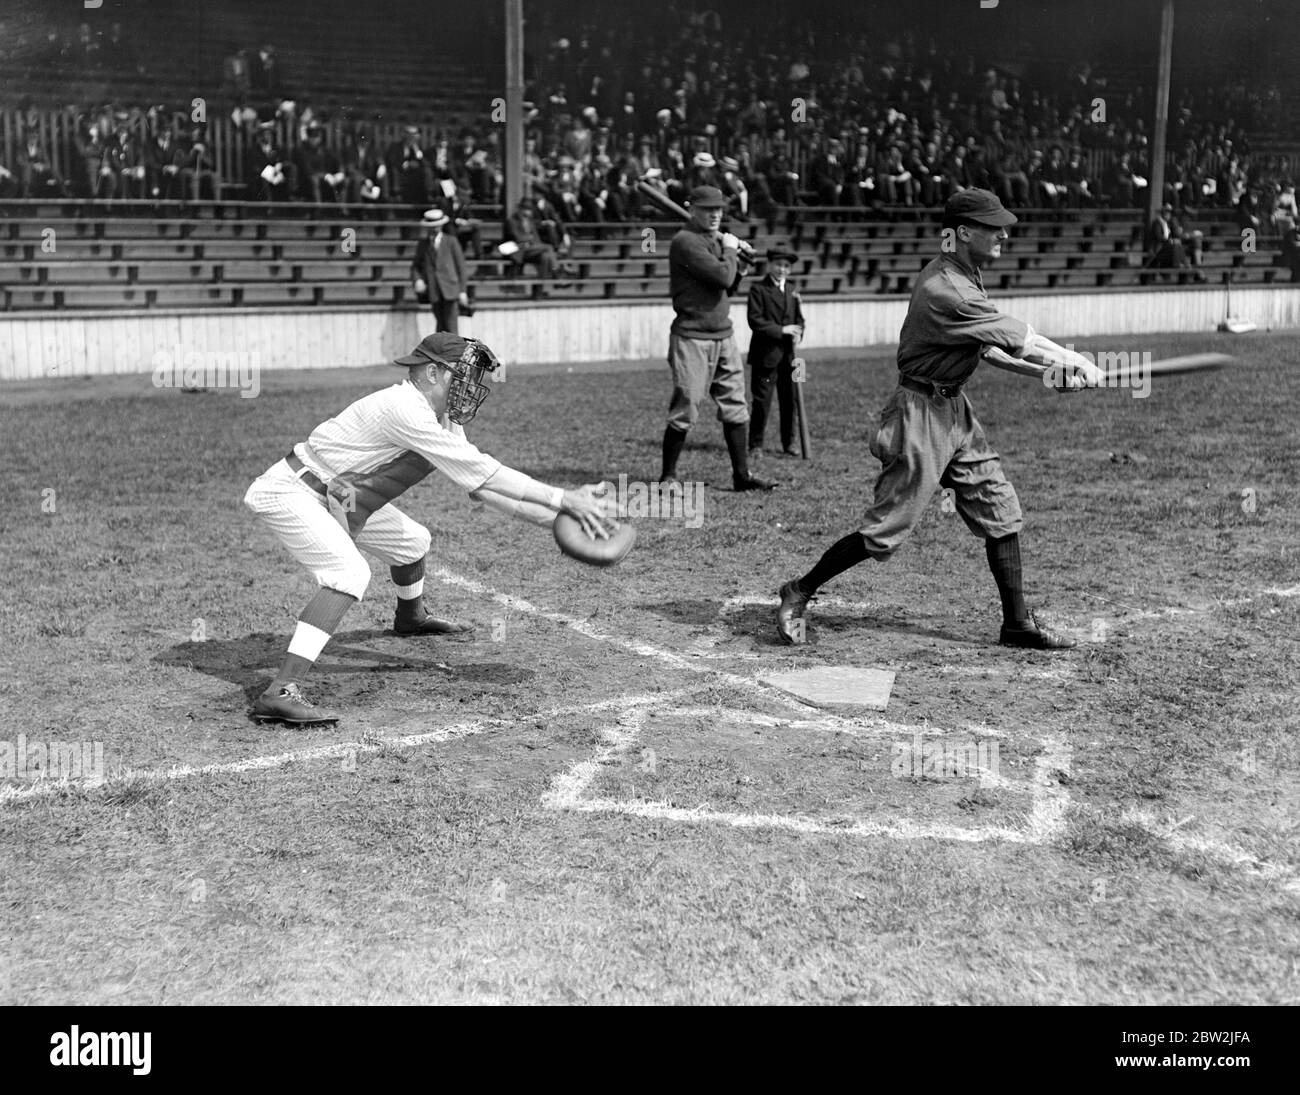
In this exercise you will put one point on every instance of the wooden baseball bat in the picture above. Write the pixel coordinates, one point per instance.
(805, 435)
(665, 203)
(1187, 363)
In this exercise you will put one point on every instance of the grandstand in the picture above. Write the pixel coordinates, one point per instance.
(65, 249)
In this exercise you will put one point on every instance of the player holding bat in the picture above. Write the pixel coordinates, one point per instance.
(928, 435)
(706, 266)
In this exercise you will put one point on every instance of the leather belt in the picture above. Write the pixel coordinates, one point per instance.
(930, 387)
(303, 473)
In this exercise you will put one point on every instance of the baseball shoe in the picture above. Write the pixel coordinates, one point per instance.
(752, 482)
(288, 704)
(1030, 636)
(789, 617)
(788, 452)
(430, 625)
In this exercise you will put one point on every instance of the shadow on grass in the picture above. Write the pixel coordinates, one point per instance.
(249, 662)
(758, 622)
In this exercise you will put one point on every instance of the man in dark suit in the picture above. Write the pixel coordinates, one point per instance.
(776, 319)
(439, 270)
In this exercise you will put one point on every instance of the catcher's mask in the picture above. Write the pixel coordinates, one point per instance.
(468, 360)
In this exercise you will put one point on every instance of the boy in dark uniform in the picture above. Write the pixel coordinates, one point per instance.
(776, 318)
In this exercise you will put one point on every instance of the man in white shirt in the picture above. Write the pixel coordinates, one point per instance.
(329, 499)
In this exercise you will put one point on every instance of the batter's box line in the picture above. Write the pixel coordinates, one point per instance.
(41, 788)
(634, 646)
(1045, 821)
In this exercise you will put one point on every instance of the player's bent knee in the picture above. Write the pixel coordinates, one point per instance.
(350, 578)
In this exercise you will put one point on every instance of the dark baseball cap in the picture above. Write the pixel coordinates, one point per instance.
(443, 347)
(981, 206)
(707, 197)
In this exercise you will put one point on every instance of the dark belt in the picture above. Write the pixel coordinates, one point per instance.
(929, 387)
(300, 470)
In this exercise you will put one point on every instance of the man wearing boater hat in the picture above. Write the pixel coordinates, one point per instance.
(438, 269)
(330, 499)
(928, 436)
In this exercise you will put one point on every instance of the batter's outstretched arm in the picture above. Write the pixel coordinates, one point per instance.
(1060, 373)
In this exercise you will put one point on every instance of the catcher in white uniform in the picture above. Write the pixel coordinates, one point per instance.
(330, 499)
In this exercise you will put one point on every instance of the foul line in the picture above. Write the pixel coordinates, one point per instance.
(10, 795)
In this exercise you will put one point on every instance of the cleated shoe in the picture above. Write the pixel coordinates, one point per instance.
(1030, 636)
(288, 704)
(751, 482)
(789, 617)
(430, 625)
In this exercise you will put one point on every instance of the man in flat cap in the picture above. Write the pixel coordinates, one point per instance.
(705, 266)
(775, 317)
(928, 435)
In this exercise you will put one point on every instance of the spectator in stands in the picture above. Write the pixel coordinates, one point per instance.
(1052, 179)
(98, 178)
(84, 51)
(521, 230)
(860, 186)
(439, 272)
(1289, 256)
(199, 173)
(361, 167)
(733, 187)
(271, 175)
(1078, 187)
(127, 158)
(1123, 183)
(782, 182)
(244, 118)
(827, 172)
(896, 184)
(164, 159)
(703, 171)
(236, 79)
(1170, 247)
(1285, 215)
(119, 55)
(36, 174)
(320, 176)
(264, 74)
(409, 175)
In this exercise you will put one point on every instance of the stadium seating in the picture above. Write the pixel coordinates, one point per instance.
(226, 256)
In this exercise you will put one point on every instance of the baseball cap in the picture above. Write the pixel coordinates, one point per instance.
(707, 197)
(981, 206)
(442, 346)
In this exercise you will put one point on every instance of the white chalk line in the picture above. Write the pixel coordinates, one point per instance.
(10, 794)
(1045, 820)
(1225, 853)
(635, 646)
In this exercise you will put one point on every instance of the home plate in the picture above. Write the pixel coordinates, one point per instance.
(837, 686)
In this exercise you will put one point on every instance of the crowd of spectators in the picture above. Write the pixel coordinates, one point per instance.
(770, 113)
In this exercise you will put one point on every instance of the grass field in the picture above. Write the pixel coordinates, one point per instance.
(596, 798)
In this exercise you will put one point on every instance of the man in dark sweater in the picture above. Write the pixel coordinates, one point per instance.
(704, 270)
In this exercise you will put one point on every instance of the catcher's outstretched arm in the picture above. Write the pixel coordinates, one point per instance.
(514, 507)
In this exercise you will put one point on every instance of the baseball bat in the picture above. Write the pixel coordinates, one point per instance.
(665, 203)
(805, 436)
(1168, 366)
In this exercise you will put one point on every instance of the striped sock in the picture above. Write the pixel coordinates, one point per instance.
(319, 620)
(409, 579)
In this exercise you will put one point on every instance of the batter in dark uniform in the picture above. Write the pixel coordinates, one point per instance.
(929, 437)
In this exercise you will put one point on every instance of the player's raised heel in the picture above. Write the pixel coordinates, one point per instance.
(288, 704)
(1031, 636)
(789, 617)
